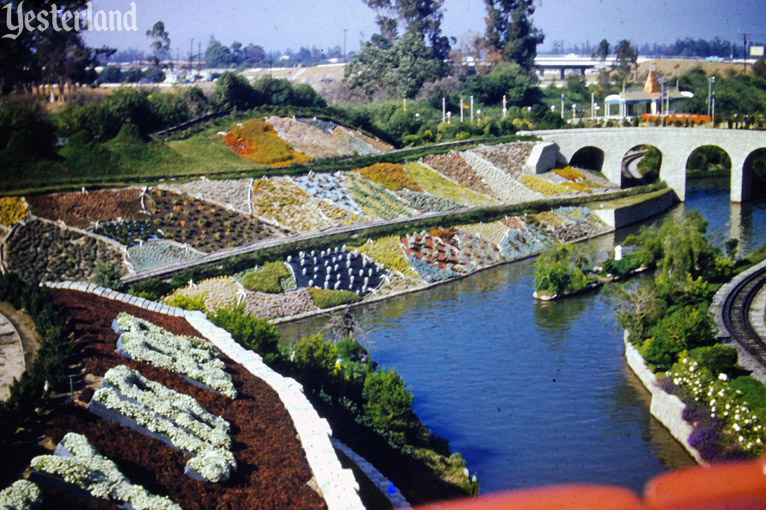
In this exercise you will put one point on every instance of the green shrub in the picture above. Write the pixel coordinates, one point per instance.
(753, 393)
(388, 404)
(683, 329)
(248, 330)
(268, 278)
(718, 358)
(108, 275)
(188, 302)
(328, 298)
(315, 359)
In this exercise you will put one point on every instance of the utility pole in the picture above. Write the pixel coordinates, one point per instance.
(744, 51)
(191, 55)
(199, 55)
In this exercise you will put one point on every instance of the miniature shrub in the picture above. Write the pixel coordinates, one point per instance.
(329, 298)
(253, 333)
(314, 358)
(388, 404)
(108, 275)
(719, 358)
(390, 175)
(187, 302)
(685, 328)
(267, 279)
(753, 392)
(12, 210)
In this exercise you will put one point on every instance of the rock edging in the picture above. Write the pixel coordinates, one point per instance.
(666, 408)
(338, 486)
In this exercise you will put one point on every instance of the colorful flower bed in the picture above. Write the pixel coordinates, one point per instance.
(259, 142)
(390, 175)
(154, 408)
(503, 186)
(543, 186)
(475, 250)
(431, 273)
(454, 166)
(311, 140)
(432, 250)
(337, 269)
(21, 495)
(520, 243)
(153, 254)
(78, 463)
(279, 199)
(438, 185)
(494, 231)
(42, 251)
(189, 356)
(374, 199)
(357, 141)
(13, 210)
(228, 192)
(388, 251)
(569, 173)
(126, 232)
(508, 157)
(330, 188)
(425, 202)
(202, 225)
(275, 306)
(215, 292)
(83, 210)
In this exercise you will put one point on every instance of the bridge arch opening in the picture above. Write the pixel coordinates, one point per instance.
(641, 165)
(754, 173)
(589, 158)
(708, 160)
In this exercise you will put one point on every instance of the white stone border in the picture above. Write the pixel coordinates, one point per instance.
(397, 499)
(337, 485)
(667, 408)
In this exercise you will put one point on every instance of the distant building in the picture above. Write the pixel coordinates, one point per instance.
(651, 100)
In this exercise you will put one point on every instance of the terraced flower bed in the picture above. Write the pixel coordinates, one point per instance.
(362, 145)
(431, 273)
(259, 142)
(13, 210)
(215, 292)
(337, 269)
(311, 140)
(83, 210)
(43, 251)
(454, 166)
(503, 186)
(126, 232)
(79, 464)
(583, 224)
(543, 186)
(549, 219)
(275, 306)
(391, 175)
(520, 241)
(374, 199)
(202, 225)
(426, 202)
(229, 192)
(494, 231)
(388, 251)
(191, 357)
(508, 157)
(432, 250)
(330, 188)
(152, 409)
(438, 185)
(158, 253)
(475, 250)
(281, 200)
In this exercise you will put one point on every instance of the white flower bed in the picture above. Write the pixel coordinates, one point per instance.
(177, 417)
(21, 495)
(330, 188)
(78, 463)
(503, 185)
(193, 357)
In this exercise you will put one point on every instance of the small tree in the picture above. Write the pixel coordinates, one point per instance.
(108, 275)
(388, 404)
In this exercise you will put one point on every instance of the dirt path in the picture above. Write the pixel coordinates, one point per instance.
(30, 339)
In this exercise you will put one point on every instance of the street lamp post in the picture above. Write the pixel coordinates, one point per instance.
(710, 97)
(562, 106)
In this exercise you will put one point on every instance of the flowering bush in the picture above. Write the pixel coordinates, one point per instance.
(13, 210)
(259, 142)
(193, 357)
(21, 495)
(98, 475)
(214, 293)
(740, 426)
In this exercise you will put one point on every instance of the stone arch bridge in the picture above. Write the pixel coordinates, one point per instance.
(609, 145)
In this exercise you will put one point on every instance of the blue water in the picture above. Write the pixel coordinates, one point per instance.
(533, 393)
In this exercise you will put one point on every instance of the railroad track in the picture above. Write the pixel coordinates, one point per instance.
(735, 315)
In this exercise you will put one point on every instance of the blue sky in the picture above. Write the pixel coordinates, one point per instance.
(295, 23)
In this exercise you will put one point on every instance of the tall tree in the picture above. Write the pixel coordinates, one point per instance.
(602, 51)
(510, 31)
(626, 57)
(160, 43)
(423, 17)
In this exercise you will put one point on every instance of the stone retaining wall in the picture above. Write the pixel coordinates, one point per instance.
(667, 408)
(624, 216)
(337, 485)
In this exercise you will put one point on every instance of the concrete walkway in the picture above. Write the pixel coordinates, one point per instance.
(11, 357)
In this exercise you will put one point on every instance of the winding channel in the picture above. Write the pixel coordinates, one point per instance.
(534, 393)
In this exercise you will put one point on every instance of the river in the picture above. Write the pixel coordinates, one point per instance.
(534, 393)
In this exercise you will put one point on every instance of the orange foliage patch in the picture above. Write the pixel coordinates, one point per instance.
(257, 141)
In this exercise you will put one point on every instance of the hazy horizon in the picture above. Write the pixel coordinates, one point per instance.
(295, 23)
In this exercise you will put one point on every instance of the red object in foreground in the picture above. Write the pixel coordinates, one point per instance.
(730, 486)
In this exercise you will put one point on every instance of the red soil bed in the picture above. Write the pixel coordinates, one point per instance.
(272, 468)
(80, 210)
